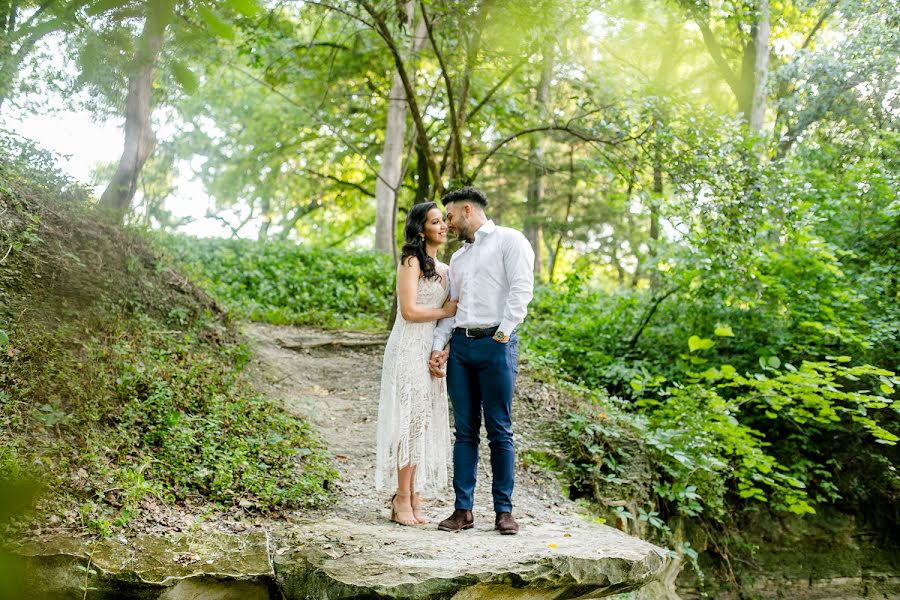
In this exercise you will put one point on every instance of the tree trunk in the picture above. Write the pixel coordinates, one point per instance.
(139, 137)
(654, 202)
(554, 259)
(266, 214)
(423, 179)
(388, 182)
(761, 67)
(614, 254)
(535, 195)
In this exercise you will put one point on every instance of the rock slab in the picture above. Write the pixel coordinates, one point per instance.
(336, 559)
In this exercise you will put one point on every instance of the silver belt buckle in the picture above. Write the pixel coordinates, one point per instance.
(467, 333)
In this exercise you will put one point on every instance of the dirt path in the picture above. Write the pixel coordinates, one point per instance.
(333, 379)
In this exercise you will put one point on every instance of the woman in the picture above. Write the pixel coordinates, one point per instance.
(413, 422)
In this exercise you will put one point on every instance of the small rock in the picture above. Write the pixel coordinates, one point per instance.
(186, 558)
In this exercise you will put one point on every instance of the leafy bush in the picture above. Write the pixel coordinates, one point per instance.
(717, 439)
(283, 283)
(787, 402)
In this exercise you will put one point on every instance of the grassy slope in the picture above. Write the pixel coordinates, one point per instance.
(119, 378)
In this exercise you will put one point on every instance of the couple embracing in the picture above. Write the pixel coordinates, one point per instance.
(454, 333)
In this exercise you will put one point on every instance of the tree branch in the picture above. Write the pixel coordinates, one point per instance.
(812, 33)
(344, 12)
(37, 13)
(498, 85)
(340, 181)
(309, 45)
(312, 113)
(235, 231)
(456, 140)
(424, 143)
(582, 135)
(646, 321)
(39, 31)
(715, 51)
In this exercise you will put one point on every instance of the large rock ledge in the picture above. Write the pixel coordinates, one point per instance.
(336, 558)
(339, 559)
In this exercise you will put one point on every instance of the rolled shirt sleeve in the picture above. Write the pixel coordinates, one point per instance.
(442, 333)
(518, 260)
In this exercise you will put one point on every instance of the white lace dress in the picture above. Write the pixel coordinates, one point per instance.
(413, 419)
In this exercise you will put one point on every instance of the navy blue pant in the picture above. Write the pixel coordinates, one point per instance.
(481, 374)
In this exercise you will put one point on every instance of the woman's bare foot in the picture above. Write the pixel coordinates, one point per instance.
(401, 510)
(416, 504)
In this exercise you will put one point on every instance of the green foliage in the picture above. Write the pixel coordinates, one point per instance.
(169, 414)
(122, 382)
(283, 283)
(716, 438)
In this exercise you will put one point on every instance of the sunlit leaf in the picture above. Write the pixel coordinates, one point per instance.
(696, 343)
(724, 331)
(185, 77)
(247, 8)
(216, 23)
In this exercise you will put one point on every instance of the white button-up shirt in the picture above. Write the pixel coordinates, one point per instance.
(493, 278)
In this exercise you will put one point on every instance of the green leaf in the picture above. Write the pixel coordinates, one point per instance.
(185, 77)
(840, 359)
(103, 6)
(248, 8)
(724, 331)
(774, 362)
(883, 387)
(4, 339)
(638, 386)
(216, 23)
(695, 343)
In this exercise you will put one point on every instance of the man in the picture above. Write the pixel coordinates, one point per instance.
(492, 275)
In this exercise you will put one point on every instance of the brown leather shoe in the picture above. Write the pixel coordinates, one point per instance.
(459, 520)
(505, 524)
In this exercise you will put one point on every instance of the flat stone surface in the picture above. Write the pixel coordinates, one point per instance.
(337, 558)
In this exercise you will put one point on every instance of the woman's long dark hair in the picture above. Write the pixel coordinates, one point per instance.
(414, 245)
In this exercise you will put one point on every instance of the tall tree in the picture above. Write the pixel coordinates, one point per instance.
(390, 174)
(536, 184)
(746, 28)
(140, 139)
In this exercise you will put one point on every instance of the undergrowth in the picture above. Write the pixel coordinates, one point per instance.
(121, 380)
(286, 284)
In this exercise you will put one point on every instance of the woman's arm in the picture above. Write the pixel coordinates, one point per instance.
(407, 284)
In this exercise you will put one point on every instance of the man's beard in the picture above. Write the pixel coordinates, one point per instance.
(462, 233)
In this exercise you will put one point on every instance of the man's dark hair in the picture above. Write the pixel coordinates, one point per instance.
(466, 194)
